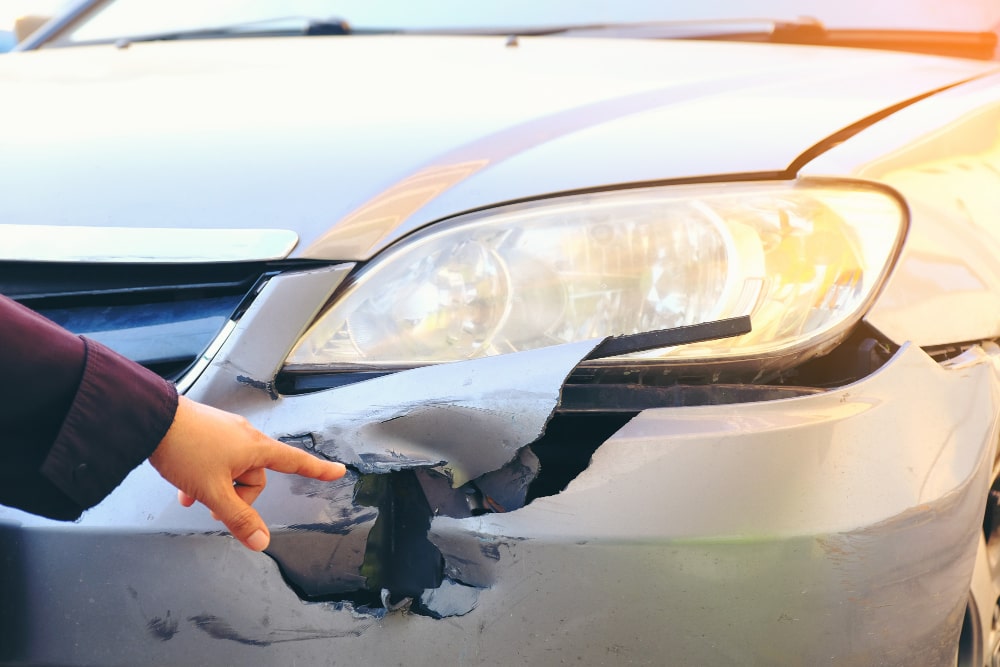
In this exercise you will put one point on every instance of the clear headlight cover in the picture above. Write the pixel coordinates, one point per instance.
(803, 259)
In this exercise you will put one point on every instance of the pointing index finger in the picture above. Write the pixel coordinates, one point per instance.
(287, 459)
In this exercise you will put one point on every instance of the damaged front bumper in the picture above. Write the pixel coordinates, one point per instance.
(839, 527)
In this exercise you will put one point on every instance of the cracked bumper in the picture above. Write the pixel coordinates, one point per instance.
(835, 528)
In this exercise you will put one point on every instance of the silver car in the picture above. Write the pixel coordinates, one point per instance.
(651, 333)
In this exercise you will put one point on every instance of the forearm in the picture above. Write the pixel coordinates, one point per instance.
(75, 417)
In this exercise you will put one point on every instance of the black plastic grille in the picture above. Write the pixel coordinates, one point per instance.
(162, 316)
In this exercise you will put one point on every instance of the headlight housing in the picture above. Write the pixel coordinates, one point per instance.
(803, 259)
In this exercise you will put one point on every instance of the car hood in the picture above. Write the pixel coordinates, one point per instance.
(353, 142)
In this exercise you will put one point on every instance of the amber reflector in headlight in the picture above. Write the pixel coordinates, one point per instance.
(803, 259)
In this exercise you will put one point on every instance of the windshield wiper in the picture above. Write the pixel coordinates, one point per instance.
(802, 30)
(275, 27)
(805, 30)
(693, 29)
(977, 45)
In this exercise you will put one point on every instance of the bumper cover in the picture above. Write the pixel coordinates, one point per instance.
(835, 528)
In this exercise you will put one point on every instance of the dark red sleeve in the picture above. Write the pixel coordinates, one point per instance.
(75, 417)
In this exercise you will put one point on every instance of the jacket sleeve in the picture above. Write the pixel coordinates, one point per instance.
(75, 417)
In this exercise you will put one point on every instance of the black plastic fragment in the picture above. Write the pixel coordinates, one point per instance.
(506, 489)
(651, 340)
(399, 557)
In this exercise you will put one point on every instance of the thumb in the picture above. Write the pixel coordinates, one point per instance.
(241, 519)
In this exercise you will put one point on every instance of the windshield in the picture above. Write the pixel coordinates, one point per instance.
(123, 19)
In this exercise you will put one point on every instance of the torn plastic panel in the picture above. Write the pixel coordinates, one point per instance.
(448, 439)
(469, 417)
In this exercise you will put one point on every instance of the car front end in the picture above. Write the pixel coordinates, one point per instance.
(648, 350)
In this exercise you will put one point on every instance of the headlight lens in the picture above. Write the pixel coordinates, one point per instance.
(802, 259)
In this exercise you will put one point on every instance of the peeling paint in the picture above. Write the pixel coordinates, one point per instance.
(449, 599)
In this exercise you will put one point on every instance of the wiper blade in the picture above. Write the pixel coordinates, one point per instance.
(978, 45)
(280, 26)
(804, 30)
(693, 29)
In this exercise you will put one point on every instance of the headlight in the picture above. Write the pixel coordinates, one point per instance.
(802, 259)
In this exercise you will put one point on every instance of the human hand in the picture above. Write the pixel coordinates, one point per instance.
(219, 459)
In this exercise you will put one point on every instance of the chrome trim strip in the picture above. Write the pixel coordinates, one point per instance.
(188, 379)
(138, 245)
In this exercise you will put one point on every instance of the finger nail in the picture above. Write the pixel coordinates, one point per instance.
(258, 541)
